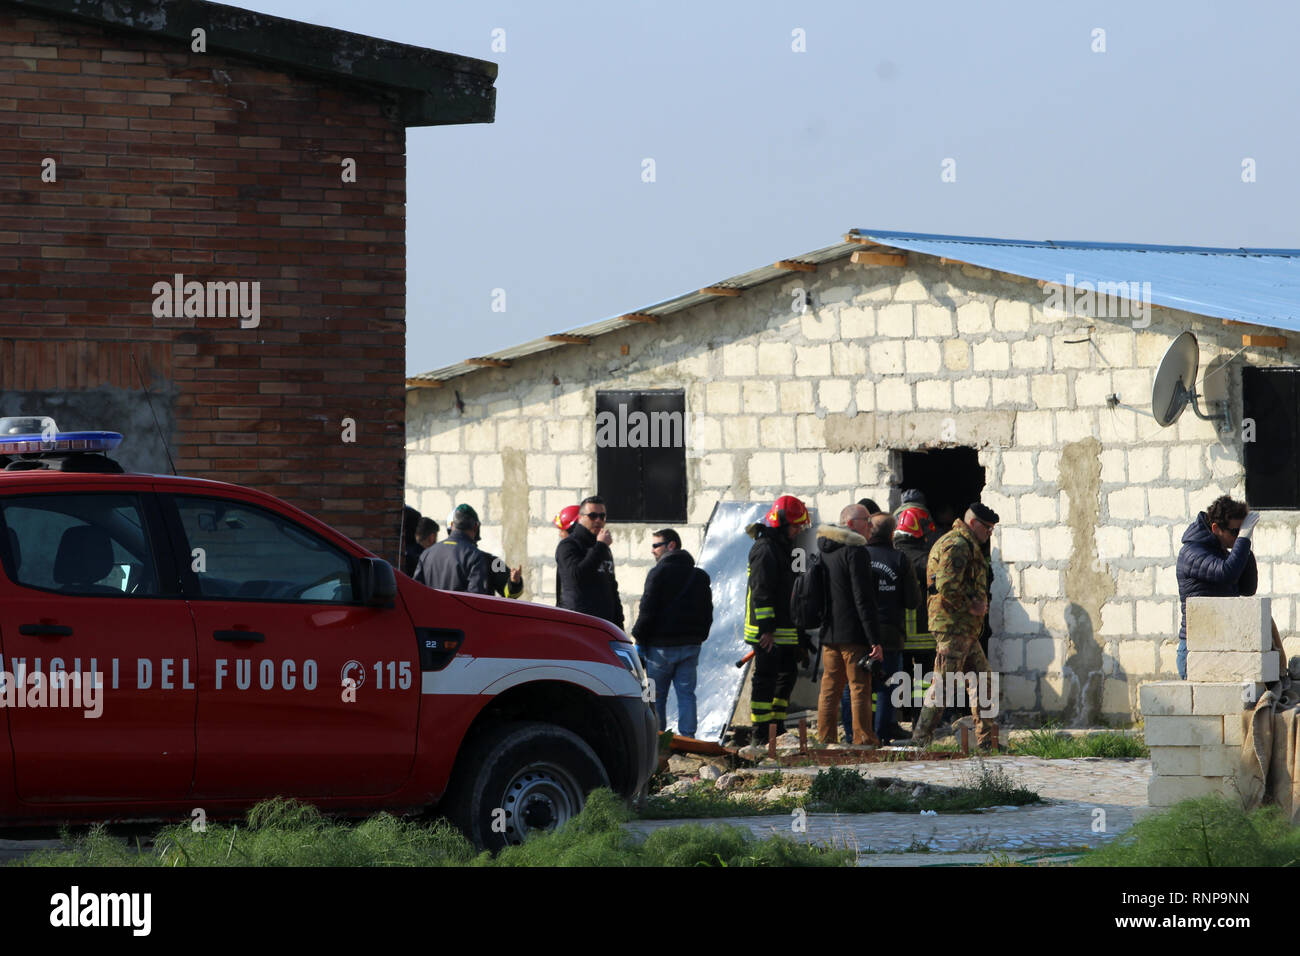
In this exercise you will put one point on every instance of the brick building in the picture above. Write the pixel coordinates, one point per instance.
(891, 361)
(143, 140)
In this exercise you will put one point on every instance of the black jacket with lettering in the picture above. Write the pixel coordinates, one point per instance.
(677, 605)
(852, 617)
(897, 589)
(454, 564)
(587, 582)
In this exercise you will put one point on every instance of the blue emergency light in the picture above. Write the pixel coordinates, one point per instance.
(38, 435)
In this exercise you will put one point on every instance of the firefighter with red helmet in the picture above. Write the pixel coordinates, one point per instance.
(769, 628)
(565, 520)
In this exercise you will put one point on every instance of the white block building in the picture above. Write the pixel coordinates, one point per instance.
(894, 360)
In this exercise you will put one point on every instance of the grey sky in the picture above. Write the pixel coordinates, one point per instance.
(763, 153)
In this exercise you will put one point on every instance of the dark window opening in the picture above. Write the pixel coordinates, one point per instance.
(951, 479)
(1271, 400)
(641, 455)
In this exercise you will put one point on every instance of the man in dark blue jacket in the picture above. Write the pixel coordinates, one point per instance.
(1216, 560)
(674, 620)
(456, 563)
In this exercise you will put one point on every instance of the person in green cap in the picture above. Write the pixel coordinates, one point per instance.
(456, 563)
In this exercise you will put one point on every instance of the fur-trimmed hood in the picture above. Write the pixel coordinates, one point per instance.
(830, 537)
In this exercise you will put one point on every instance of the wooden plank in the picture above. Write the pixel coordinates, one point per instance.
(720, 290)
(640, 317)
(423, 383)
(944, 261)
(569, 339)
(793, 266)
(488, 362)
(1235, 322)
(1264, 341)
(878, 259)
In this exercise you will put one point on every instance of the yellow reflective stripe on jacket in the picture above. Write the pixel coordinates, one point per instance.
(912, 640)
(782, 635)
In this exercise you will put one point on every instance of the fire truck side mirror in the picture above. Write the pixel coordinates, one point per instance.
(378, 583)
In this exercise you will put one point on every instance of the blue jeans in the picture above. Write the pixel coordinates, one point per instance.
(892, 662)
(674, 666)
(1182, 659)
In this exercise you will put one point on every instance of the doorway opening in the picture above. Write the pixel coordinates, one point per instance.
(951, 479)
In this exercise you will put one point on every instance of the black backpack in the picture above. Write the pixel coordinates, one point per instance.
(808, 596)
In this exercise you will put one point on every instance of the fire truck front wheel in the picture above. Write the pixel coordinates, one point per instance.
(521, 778)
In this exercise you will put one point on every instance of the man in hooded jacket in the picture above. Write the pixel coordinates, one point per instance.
(1215, 560)
(850, 632)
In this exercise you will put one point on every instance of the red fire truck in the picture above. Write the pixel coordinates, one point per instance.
(171, 643)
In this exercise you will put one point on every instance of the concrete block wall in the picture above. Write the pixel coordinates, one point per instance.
(1094, 496)
(1195, 728)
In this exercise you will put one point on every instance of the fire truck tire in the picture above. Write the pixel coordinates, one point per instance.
(521, 778)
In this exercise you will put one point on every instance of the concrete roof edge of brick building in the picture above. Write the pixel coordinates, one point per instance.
(434, 88)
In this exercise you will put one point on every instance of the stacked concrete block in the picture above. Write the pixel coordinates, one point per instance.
(1230, 639)
(1195, 727)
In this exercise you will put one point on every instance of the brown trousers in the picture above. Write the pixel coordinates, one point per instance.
(838, 666)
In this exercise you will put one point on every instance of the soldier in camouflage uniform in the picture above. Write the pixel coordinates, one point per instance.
(957, 574)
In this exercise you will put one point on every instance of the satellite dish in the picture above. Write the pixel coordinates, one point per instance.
(1175, 384)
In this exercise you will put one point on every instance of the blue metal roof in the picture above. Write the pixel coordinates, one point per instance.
(1260, 286)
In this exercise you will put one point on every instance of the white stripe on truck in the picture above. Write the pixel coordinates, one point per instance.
(492, 675)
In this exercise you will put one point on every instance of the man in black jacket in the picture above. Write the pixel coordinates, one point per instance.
(586, 564)
(850, 629)
(456, 563)
(674, 620)
(897, 591)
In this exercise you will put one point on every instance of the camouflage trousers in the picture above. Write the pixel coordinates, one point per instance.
(954, 655)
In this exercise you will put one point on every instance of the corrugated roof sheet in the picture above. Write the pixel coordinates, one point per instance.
(1260, 286)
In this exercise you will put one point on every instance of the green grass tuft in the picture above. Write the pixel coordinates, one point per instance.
(1051, 745)
(1209, 831)
(286, 833)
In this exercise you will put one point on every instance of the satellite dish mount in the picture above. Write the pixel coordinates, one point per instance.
(1175, 386)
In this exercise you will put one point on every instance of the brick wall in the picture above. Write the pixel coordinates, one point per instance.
(176, 162)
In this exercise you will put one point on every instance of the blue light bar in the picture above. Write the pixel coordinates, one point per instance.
(63, 443)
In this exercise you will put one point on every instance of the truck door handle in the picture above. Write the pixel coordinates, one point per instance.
(45, 630)
(255, 637)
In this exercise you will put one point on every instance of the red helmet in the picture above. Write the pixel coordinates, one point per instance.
(914, 522)
(566, 518)
(787, 510)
